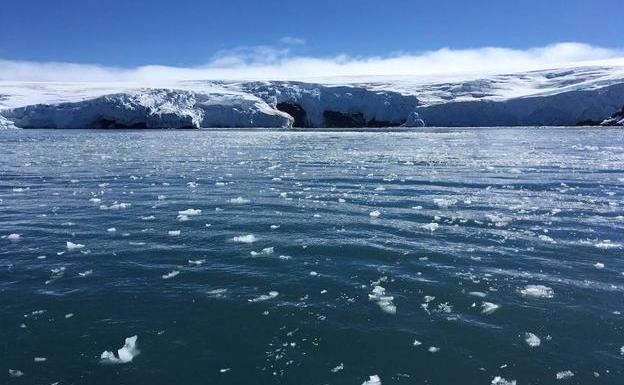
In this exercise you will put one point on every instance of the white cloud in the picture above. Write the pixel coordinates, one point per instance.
(268, 62)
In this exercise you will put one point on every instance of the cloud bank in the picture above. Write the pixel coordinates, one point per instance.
(270, 63)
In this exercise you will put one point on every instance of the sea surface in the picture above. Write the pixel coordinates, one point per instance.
(439, 256)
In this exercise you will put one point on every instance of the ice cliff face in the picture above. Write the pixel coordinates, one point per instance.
(564, 109)
(152, 108)
(315, 105)
(570, 96)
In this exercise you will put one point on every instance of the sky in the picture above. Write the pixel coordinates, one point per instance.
(253, 38)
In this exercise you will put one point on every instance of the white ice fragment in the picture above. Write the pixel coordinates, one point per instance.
(606, 245)
(265, 297)
(274, 227)
(85, 273)
(537, 291)
(249, 238)
(124, 355)
(40, 359)
(14, 237)
(385, 302)
(564, 375)
(171, 274)
(224, 370)
(501, 381)
(416, 343)
(74, 246)
(239, 201)
(444, 203)
(374, 214)
(338, 368)
(111, 230)
(372, 380)
(196, 262)
(431, 226)
(173, 233)
(15, 373)
(433, 349)
(599, 265)
(190, 212)
(532, 340)
(489, 307)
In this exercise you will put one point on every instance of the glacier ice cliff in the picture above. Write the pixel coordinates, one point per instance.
(558, 97)
(152, 108)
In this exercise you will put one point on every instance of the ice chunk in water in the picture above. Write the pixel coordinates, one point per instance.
(190, 212)
(489, 307)
(532, 340)
(265, 297)
(373, 380)
(15, 373)
(537, 291)
(170, 274)
(374, 214)
(249, 238)
(385, 302)
(239, 201)
(124, 355)
(173, 233)
(564, 375)
(431, 226)
(74, 246)
(599, 265)
(14, 237)
(501, 381)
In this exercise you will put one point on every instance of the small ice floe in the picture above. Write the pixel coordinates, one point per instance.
(372, 380)
(249, 238)
(537, 291)
(416, 343)
(14, 237)
(274, 227)
(171, 274)
(196, 262)
(607, 244)
(265, 251)
(622, 351)
(86, 273)
(190, 212)
(444, 203)
(430, 226)
(599, 265)
(147, 218)
(40, 359)
(116, 206)
(338, 368)
(192, 184)
(532, 340)
(564, 375)
(224, 370)
(15, 373)
(124, 355)
(111, 230)
(314, 273)
(498, 380)
(374, 214)
(69, 315)
(265, 297)
(546, 238)
(239, 201)
(73, 246)
(433, 349)
(479, 294)
(95, 200)
(384, 301)
(183, 218)
(174, 233)
(489, 307)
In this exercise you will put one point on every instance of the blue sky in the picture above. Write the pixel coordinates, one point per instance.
(131, 33)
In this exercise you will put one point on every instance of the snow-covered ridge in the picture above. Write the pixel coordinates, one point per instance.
(570, 96)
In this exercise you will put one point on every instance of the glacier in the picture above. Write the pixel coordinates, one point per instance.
(581, 95)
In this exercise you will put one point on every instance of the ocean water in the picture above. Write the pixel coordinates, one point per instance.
(440, 256)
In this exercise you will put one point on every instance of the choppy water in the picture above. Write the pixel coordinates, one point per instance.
(373, 254)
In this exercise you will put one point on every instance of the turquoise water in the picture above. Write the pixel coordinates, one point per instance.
(312, 258)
